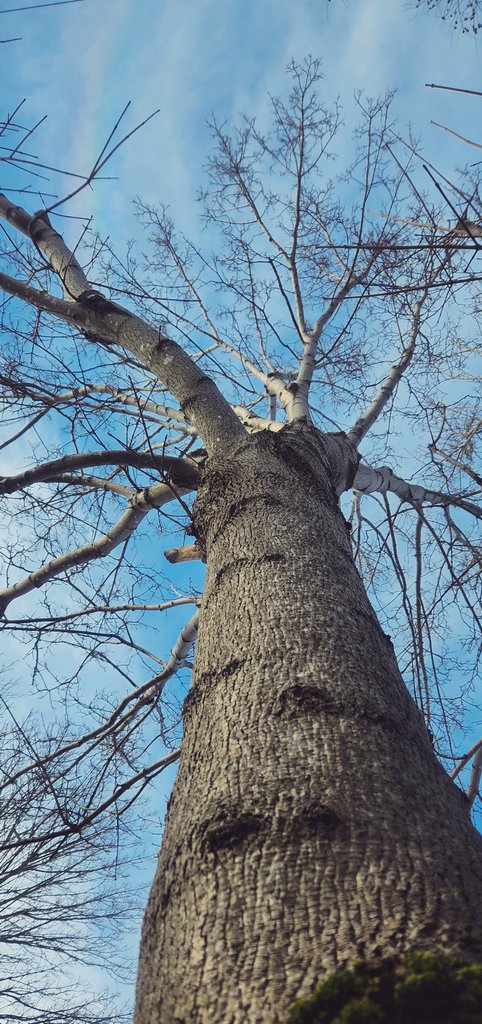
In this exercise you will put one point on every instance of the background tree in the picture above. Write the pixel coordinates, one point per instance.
(311, 821)
(464, 15)
(56, 886)
(69, 898)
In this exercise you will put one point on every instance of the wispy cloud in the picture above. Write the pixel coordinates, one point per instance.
(82, 64)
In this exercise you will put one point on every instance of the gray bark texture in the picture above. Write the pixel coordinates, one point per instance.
(311, 823)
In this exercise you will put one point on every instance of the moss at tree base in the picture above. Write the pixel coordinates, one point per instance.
(421, 988)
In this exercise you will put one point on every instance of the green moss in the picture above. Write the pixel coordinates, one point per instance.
(345, 997)
(361, 1011)
(421, 988)
(440, 989)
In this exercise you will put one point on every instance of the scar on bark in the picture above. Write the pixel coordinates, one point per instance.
(230, 829)
(315, 819)
(233, 567)
(98, 303)
(298, 699)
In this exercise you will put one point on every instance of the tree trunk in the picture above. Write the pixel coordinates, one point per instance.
(310, 822)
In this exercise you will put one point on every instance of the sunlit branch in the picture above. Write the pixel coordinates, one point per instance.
(466, 759)
(387, 389)
(457, 463)
(188, 553)
(95, 483)
(108, 323)
(461, 230)
(474, 781)
(139, 506)
(450, 131)
(300, 405)
(382, 479)
(181, 471)
(168, 416)
(101, 609)
(254, 422)
(48, 241)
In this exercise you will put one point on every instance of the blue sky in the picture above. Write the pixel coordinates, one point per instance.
(81, 63)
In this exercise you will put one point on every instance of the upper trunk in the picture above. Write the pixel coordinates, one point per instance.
(310, 822)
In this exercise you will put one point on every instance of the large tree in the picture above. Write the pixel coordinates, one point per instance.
(311, 823)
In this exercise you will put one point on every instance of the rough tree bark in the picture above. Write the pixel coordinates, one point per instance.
(311, 823)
